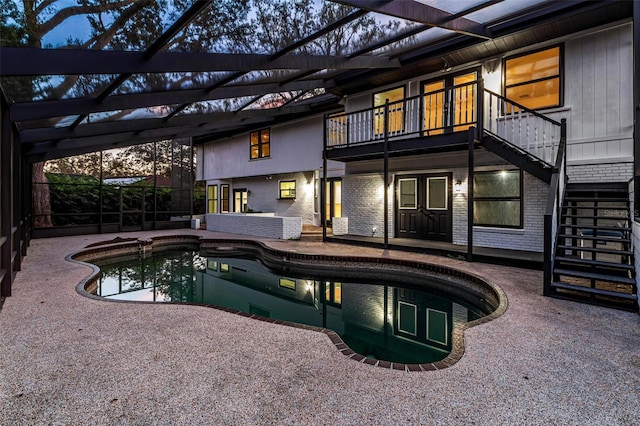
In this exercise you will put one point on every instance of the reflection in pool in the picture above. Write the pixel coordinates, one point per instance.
(385, 321)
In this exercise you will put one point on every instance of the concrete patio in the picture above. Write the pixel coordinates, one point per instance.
(67, 359)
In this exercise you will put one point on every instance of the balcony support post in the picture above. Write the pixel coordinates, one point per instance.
(386, 174)
(323, 184)
(471, 138)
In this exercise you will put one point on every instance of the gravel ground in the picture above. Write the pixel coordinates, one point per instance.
(67, 359)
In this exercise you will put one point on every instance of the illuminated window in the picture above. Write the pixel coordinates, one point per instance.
(464, 101)
(240, 200)
(287, 189)
(224, 267)
(496, 199)
(333, 292)
(533, 80)
(212, 199)
(396, 111)
(224, 200)
(260, 144)
(434, 105)
(287, 283)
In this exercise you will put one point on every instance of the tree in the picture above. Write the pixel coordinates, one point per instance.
(114, 24)
(225, 26)
(297, 19)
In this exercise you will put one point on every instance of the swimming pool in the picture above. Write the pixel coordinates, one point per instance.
(398, 315)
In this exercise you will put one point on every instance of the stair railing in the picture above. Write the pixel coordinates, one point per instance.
(524, 128)
(554, 207)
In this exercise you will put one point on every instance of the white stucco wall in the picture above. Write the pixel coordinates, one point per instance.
(295, 154)
(295, 147)
(264, 195)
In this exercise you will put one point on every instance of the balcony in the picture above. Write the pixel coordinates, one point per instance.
(439, 120)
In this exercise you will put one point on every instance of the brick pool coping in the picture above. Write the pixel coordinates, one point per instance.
(293, 259)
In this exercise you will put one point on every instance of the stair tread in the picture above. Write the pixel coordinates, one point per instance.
(595, 207)
(596, 249)
(595, 276)
(597, 238)
(604, 228)
(566, 286)
(590, 262)
(598, 199)
(625, 218)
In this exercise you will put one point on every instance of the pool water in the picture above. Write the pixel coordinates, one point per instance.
(382, 320)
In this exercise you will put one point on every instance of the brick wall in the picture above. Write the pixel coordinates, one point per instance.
(635, 235)
(608, 172)
(259, 225)
(531, 237)
(362, 201)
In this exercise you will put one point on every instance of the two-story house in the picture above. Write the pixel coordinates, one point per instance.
(522, 144)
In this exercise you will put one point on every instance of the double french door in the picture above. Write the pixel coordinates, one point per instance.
(449, 103)
(423, 207)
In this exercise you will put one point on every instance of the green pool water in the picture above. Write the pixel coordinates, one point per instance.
(382, 320)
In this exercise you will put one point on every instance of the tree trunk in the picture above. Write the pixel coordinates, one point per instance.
(41, 199)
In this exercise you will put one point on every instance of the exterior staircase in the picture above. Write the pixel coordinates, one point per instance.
(517, 156)
(593, 261)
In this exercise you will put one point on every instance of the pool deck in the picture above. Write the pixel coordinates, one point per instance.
(68, 359)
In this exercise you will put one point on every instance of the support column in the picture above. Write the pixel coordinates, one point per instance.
(155, 183)
(16, 230)
(192, 179)
(6, 209)
(26, 191)
(101, 197)
(471, 140)
(323, 182)
(636, 109)
(386, 174)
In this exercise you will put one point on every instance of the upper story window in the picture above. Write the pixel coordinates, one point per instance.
(396, 110)
(534, 79)
(260, 144)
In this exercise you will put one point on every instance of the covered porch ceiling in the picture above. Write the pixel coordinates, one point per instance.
(97, 90)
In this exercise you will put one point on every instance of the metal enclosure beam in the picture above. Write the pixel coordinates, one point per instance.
(36, 62)
(419, 12)
(24, 111)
